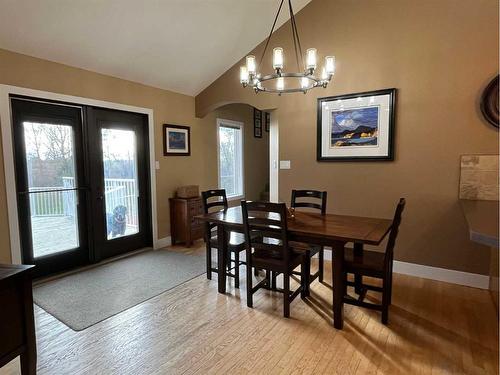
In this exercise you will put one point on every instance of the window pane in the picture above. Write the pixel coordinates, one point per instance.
(230, 160)
(120, 180)
(51, 170)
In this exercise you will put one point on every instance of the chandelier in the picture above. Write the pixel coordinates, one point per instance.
(287, 82)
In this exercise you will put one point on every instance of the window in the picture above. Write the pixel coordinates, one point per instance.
(230, 149)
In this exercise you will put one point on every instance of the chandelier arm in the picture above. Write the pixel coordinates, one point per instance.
(294, 26)
(271, 33)
(293, 33)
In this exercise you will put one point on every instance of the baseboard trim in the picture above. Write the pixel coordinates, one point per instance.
(163, 242)
(473, 280)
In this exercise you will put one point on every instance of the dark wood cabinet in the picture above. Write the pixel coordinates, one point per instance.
(183, 227)
(17, 327)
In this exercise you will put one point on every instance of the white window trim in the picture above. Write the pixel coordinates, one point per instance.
(240, 125)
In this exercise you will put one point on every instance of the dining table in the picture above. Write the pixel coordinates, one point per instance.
(330, 230)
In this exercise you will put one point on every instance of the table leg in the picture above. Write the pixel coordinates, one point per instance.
(338, 284)
(221, 258)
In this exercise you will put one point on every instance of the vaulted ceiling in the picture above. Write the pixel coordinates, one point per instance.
(179, 45)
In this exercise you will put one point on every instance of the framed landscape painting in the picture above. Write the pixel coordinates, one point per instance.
(176, 140)
(356, 127)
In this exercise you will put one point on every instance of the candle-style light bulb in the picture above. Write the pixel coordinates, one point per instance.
(280, 84)
(311, 58)
(278, 58)
(243, 75)
(251, 68)
(330, 65)
(324, 74)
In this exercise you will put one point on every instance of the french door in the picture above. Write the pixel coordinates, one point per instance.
(82, 183)
(120, 184)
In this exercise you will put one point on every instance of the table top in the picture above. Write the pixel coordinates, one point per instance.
(9, 270)
(334, 227)
(482, 219)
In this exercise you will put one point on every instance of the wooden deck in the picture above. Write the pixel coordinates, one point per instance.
(434, 327)
(52, 234)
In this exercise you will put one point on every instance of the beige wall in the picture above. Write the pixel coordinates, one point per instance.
(439, 55)
(199, 168)
(256, 150)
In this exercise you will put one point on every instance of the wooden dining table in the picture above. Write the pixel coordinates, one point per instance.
(313, 228)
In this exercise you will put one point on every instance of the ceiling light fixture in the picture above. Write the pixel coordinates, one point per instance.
(287, 82)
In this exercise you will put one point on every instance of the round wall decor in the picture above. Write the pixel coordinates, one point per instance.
(489, 102)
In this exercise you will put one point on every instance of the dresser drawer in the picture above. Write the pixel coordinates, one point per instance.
(197, 231)
(195, 207)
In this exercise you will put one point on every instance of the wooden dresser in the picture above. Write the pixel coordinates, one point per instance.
(17, 327)
(183, 227)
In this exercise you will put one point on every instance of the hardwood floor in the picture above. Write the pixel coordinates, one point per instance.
(434, 327)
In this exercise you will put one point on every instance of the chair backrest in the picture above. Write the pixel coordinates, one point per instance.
(394, 230)
(220, 201)
(308, 194)
(266, 230)
(213, 200)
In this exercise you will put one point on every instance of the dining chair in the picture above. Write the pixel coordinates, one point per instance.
(216, 200)
(373, 264)
(309, 199)
(268, 248)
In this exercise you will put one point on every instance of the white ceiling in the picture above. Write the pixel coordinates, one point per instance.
(179, 45)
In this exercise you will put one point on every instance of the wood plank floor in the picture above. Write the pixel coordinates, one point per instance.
(434, 327)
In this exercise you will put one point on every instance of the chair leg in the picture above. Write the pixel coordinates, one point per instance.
(273, 279)
(358, 282)
(304, 292)
(390, 282)
(358, 279)
(209, 262)
(286, 295)
(385, 301)
(268, 279)
(228, 261)
(249, 283)
(237, 270)
(321, 264)
(307, 274)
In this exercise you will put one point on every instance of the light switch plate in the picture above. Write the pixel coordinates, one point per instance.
(285, 164)
(157, 164)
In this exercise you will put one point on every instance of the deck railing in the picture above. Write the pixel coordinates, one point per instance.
(117, 192)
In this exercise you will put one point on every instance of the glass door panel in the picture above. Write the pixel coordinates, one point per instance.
(121, 193)
(51, 187)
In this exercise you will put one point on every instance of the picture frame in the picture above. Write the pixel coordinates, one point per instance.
(267, 121)
(257, 132)
(257, 123)
(176, 140)
(356, 127)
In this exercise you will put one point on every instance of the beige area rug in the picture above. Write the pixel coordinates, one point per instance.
(83, 299)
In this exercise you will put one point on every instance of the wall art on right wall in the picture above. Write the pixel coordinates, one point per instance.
(356, 127)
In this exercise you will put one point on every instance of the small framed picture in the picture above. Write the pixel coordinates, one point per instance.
(257, 114)
(257, 123)
(257, 132)
(268, 122)
(176, 140)
(356, 127)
